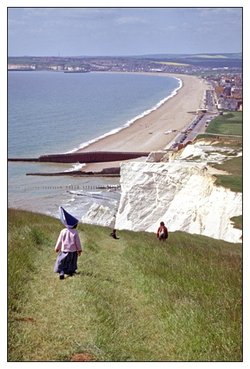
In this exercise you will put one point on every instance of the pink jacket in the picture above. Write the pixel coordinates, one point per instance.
(68, 241)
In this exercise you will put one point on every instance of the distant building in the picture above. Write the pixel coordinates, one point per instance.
(21, 67)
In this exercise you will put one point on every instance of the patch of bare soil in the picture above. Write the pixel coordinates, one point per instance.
(85, 356)
(27, 319)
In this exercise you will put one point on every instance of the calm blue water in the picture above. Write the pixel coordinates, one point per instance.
(51, 112)
(57, 112)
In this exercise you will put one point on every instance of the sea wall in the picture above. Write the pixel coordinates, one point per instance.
(182, 194)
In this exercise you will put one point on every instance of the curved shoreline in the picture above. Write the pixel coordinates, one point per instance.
(133, 120)
(147, 133)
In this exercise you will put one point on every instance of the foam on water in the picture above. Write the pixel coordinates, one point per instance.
(131, 121)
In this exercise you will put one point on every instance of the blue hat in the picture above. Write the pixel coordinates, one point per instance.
(67, 219)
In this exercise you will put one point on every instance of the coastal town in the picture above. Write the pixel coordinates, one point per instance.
(223, 78)
(224, 74)
(187, 64)
(228, 90)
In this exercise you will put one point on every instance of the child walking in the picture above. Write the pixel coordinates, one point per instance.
(68, 246)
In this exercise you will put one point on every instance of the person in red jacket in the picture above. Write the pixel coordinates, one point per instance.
(162, 232)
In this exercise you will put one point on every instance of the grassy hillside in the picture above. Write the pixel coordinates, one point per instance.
(133, 299)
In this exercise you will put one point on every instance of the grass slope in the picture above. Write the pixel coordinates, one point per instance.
(228, 124)
(134, 299)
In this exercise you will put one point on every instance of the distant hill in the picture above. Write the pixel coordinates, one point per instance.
(196, 56)
(212, 60)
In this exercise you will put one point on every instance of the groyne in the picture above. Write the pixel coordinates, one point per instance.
(107, 172)
(84, 157)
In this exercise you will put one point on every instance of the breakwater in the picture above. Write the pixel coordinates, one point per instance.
(106, 172)
(84, 157)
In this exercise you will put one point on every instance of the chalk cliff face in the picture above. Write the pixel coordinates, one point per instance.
(100, 215)
(180, 193)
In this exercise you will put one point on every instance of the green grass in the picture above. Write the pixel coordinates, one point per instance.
(234, 180)
(231, 182)
(238, 222)
(228, 128)
(134, 299)
(227, 124)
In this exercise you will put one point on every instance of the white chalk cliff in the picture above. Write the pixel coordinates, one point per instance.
(177, 188)
(100, 215)
(180, 193)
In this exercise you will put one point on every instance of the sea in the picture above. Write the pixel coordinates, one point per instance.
(56, 112)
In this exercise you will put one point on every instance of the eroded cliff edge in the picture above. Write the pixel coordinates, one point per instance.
(178, 188)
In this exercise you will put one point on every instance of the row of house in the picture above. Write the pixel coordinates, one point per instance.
(228, 91)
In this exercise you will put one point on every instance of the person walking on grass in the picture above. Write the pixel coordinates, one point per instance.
(68, 246)
(162, 232)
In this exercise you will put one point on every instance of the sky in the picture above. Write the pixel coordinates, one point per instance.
(123, 31)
